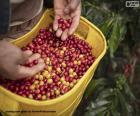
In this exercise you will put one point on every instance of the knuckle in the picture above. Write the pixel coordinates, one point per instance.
(72, 7)
(37, 54)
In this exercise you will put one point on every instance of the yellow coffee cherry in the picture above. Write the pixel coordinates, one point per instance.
(41, 77)
(43, 74)
(46, 73)
(32, 87)
(75, 62)
(61, 52)
(37, 76)
(79, 62)
(74, 73)
(64, 64)
(62, 79)
(53, 74)
(64, 82)
(30, 96)
(71, 84)
(59, 82)
(49, 68)
(71, 75)
(49, 81)
(37, 86)
(44, 97)
(57, 92)
(36, 82)
(41, 83)
(48, 59)
(81, 56)
(70, 70)
(48, 76)
(67, 84)
(58, 70)
(64, 48)
(74, 81)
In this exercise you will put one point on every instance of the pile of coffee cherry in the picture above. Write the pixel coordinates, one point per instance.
(66, 63)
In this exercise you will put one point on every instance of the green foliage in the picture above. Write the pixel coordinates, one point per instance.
(117, 35)
(113, 24)
(110, 99)
(111, 95)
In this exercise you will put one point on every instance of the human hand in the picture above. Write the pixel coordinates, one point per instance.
(12, 60)
(66, 8)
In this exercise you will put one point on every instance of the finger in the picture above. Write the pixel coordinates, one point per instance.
(55, 23)
(74, 25)
(59, 32)
(25, 55)
(75, 19)
(40, 60)
(64, 35)
(33, 57)
(28, 72)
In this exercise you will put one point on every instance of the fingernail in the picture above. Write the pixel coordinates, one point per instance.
(63, 38)
(37, 55)
(54, 28)
(58, 33)
(69, 33)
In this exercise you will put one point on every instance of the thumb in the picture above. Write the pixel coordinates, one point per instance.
(30, 71)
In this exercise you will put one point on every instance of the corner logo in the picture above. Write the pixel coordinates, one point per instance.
(132, 3)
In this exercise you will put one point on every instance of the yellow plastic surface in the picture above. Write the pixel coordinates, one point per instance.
(15, 105)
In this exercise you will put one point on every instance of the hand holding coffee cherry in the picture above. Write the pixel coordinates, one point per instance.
(66, 9)
(64, 24)
(12, 60)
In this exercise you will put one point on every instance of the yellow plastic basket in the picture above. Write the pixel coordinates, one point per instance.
(15, 105)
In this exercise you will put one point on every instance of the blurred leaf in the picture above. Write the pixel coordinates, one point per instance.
(93, 85)
(106, 27)
(114, 107)
(105, 94)
(110, 100)
(100, 103)
(96, 111)
(129, 93)
(118, 31)
(121, 81)
(124, 105)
